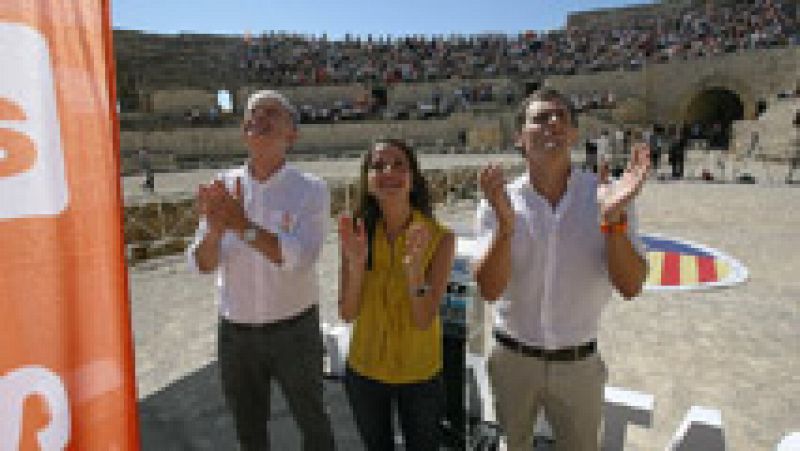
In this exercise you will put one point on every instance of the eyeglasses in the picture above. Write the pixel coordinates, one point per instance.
(547, 117)
(386, 166)
(256, 124)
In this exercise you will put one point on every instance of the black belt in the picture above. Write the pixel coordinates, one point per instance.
(569, 354)
(274, 325)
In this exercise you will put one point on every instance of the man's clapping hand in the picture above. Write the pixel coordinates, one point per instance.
(492, 182)
(223, 210)
(614, 199)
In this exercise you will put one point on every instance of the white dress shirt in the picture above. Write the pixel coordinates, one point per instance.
(251, 288)
(559, 279)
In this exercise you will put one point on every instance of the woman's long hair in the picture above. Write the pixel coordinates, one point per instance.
(368, 209)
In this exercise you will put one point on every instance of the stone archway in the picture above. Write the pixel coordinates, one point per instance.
(715, 82)
(715, 99)
(714, 109)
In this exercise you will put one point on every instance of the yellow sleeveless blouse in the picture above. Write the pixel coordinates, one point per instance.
(386, 345)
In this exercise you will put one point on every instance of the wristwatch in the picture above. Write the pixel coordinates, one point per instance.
(421, 290)
(250, 234)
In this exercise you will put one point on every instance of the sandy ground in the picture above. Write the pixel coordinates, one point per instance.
(734, 349)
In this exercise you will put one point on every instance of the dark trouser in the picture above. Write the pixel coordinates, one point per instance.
(419, 407)
(655, 158)
(289, 351)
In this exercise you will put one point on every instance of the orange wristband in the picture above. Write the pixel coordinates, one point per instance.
(617, 227)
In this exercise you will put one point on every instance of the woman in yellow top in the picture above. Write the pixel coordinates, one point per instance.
(396, 261)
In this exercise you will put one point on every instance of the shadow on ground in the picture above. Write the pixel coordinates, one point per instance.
(190, 414)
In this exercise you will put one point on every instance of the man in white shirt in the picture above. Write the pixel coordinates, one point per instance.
(554, 243)
(261, 231)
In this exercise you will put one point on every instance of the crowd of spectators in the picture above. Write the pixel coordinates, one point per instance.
(292, 60)
(282, 59)
(438, 105)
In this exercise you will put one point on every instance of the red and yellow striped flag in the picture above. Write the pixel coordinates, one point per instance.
(681, 264)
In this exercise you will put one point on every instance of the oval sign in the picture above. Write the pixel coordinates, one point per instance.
(676, 264)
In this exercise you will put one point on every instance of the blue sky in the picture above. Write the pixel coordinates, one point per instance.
(354, 16)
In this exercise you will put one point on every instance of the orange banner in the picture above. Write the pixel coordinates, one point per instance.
(66, 362)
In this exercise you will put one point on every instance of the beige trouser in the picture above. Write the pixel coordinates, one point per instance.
(570, 392)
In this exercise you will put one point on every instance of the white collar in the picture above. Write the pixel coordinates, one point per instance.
(273, 179)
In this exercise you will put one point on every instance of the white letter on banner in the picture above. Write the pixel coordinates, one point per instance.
(701, 430)
(32, 175)
(623, 407)
(17, 386)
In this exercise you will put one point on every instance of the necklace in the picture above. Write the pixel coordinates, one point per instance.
(391, 235)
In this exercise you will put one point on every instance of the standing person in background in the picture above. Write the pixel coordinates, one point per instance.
(754, 149)
(261, 231)
(603, 150)
(618, 146)
(653, 138)
(677, 150)
(396, 261)
(553, 244)
(146, 166)
(794, 157)
(591, 155)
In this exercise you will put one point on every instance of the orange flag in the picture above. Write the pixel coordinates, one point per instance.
(66, 363)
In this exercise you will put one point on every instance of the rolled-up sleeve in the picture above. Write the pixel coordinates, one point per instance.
(485, 226)
(301, 246)
(200, 233)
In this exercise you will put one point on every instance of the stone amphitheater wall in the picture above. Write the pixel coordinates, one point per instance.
(413, 92)
(617, 17)
(322, 138)
(181, 100)
(316, 95)
(666, 90)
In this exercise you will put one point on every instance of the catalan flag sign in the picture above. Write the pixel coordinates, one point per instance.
(682, 265)
(66, 355)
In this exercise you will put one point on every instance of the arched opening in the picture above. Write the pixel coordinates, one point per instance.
(711, 113)
(380, 98)
(531, 87)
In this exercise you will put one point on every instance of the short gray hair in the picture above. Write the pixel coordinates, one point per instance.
(259, 97)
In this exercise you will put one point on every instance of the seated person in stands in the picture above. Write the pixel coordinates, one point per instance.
(395, 264)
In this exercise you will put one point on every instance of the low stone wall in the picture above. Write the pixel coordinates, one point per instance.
(177, 149)
(311, 95)
(181, 100)
(667, 90)
(406, 93)
(158, 225)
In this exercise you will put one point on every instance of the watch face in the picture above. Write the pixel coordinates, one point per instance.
(249, 235)
(423, 290)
